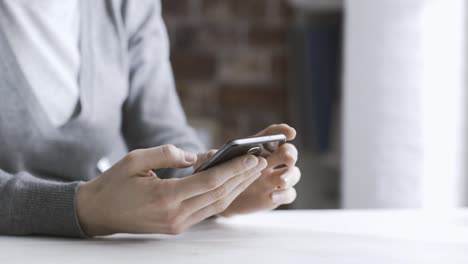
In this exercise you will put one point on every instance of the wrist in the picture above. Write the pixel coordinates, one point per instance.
(87, 209)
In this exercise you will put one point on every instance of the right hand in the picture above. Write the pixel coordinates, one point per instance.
(130, 198)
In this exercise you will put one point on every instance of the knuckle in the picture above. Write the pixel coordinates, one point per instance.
(221, 206)
(174, 229)
(288, 159)
(212, 182)
(173, 222)
(168, 210)
(291, 149)
(169, 151)
(288, 156)
(159, 194)
(297, 171)
(171, 190)
(283, 182)
(177, 220)
(218, 193)
(133, 155)
(227, 214)
(238, 165)
(292, 196)
(278, 126)
(164, 202)
(166, 216)
(278, 181)
(242, 166)
(225, 204)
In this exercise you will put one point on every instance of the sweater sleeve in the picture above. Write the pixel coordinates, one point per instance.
(152, 112)
(30, 205)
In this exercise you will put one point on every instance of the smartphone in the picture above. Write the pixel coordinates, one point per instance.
(238, 147)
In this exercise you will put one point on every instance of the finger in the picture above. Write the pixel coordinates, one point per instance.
(284, 129)
(166, 156)
(284, 196)
(283, 179)
(210, 153)
(285, 155)
(204, 157)
(220, 205)
(212, 178)
(198, 202)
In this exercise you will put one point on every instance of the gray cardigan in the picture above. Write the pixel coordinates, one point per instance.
(128, 101)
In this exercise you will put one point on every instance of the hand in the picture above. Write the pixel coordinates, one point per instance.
(130, 198)
(276, 184)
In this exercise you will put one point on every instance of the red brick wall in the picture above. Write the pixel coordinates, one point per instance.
(229, 60)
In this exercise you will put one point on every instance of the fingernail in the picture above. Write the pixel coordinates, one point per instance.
(276, 198)
(251, 161)
(190, 157)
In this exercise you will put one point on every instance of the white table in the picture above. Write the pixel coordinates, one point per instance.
(277, 237)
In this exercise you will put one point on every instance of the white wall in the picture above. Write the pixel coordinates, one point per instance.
(443, 30)
(404, 115)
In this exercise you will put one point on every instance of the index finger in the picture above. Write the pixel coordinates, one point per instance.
(212, 178)
(166, 156)
(284, 129)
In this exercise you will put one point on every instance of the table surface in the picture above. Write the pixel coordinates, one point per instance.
(372, 236)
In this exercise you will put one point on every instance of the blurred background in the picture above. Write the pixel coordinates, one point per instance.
(376, 90)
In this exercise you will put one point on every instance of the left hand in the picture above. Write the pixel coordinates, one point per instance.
(275, 186)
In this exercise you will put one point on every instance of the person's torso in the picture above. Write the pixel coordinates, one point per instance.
(30, 141)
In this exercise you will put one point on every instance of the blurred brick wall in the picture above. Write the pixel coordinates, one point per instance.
(229, 60)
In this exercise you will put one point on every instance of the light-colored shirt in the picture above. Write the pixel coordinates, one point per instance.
(128, 101)
(44, 36)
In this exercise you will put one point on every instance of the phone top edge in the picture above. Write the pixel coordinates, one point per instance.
(258, 140)
(238, 142)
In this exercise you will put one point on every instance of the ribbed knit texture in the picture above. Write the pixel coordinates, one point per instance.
(128, 101)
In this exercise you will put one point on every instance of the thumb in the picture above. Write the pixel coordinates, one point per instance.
(166, 156)
(204, 157)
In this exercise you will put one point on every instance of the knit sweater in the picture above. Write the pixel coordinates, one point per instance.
(127, 101)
